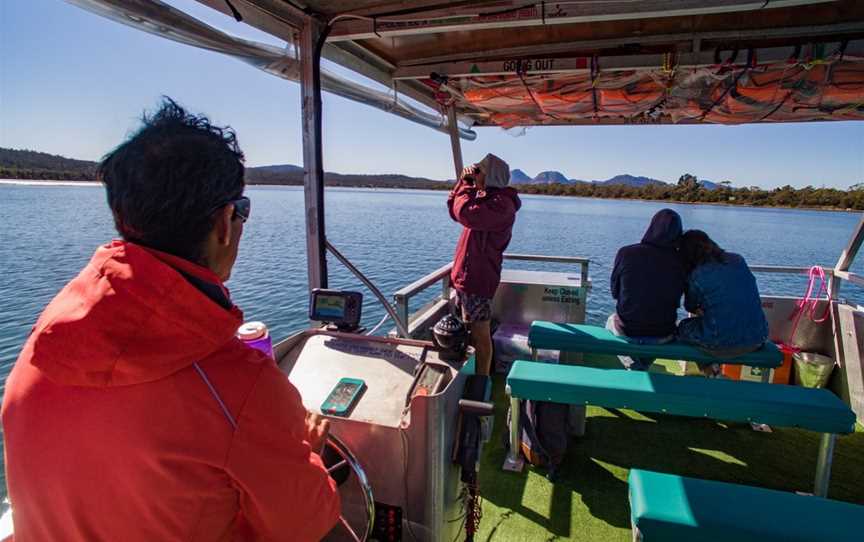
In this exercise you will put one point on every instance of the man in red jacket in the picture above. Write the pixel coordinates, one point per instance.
(133, 413)
(486, 207)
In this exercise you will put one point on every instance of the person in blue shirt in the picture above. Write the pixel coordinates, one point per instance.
(722, 295)
(647, 283)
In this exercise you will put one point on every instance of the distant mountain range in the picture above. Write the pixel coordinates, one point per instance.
(288, 174)
(550, 177)
(27, 164)
(517, 177)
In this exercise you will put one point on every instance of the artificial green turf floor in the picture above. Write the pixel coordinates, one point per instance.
(589, 499)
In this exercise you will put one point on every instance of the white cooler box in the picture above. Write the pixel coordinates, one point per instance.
(511, 343)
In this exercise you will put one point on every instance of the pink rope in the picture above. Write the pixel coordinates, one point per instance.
(809, 303)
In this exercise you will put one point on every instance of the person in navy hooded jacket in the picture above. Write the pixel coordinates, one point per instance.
(648, 280)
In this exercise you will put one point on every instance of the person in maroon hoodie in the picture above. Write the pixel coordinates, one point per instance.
(133, 412)
(486, 207)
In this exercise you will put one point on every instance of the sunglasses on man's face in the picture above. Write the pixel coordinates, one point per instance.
(242, 208)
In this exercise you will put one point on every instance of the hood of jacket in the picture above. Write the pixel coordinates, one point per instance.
(131, 316)
(665, 229)
(497, 171)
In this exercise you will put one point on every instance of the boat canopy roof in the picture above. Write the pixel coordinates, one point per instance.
(519, 63)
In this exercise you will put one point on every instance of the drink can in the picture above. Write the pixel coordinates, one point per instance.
(257, 336)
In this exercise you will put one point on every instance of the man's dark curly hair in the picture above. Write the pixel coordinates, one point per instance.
(165, 182)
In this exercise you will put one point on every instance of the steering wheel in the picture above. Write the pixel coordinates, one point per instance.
(343, 465)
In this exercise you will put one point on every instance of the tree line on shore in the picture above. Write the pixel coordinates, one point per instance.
(32, 165)
(36, 174)
(688, 190)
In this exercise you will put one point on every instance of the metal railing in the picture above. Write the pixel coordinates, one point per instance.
(832, 274)
(788, 269)
(403, 296)
(583, 262)
(848, 276)
(442, 275)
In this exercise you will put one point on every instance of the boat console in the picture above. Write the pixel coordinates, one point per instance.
(397, 435)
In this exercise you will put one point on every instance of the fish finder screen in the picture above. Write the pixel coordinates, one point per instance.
(330, 306)
(336, 307)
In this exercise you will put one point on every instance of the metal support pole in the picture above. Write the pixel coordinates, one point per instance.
(311, 39)
(402, 313)
(514, 462)
(843, 264)
(401, 324)
(823, 464)
(455, 144)
(445, 288)
(848, 255)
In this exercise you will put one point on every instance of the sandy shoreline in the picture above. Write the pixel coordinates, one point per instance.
(28, 182)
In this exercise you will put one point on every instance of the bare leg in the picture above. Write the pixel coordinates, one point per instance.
(481, 338)
(710, 370)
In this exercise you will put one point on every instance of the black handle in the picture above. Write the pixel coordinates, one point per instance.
(477, 408)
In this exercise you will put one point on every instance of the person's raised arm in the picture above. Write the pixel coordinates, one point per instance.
(461, 187)
(285, 491)
(451, 197)
(494, 212)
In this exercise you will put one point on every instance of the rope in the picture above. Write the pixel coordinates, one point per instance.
(808, 303)
(733, 84)
(777, 107)
(534, 98)
(236, 14)
(595, 75)
(670, 64)
(849, 108)
(379, 324)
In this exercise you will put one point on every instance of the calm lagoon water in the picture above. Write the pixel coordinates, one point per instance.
(394, 236)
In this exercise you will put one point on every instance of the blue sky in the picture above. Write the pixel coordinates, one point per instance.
(72, 83)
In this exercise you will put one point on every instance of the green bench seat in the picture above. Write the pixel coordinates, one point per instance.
(785, 406)
(597, 340)
(664, 507)
(773, 404)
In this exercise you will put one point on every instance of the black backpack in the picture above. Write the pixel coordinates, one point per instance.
(545, 432)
